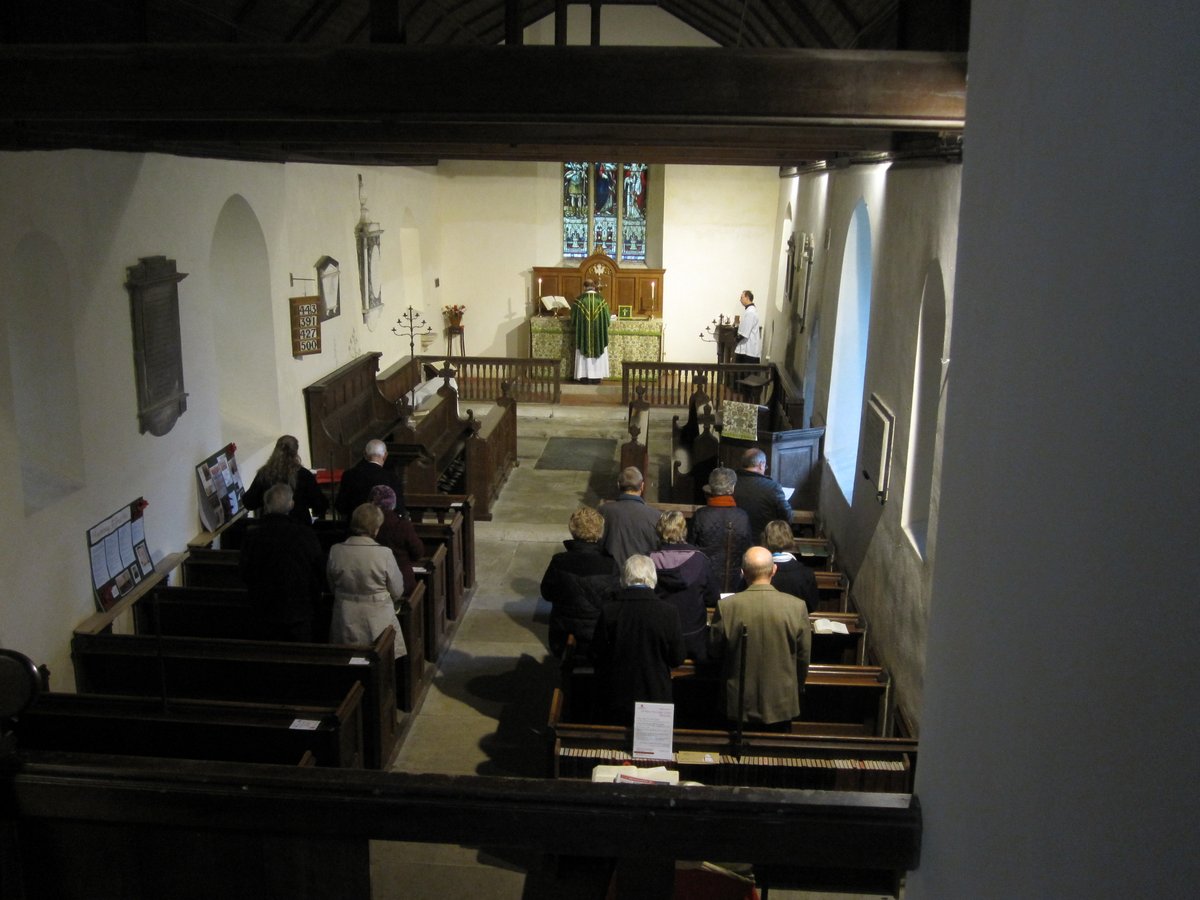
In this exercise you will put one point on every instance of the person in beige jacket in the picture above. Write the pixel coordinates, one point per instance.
(366, 583)
(777, 646)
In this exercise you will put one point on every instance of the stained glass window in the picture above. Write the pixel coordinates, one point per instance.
(633, 212)
(604, 208)
(575, 197)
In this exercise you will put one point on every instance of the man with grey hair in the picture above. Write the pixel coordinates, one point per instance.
(638, 641)
(369, 471)
(760, 496)
(284, 569)
(630, 525)
(720, 529)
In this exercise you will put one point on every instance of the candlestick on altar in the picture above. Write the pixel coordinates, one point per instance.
(539, 289)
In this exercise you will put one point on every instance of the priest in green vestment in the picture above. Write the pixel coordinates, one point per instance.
(589, 321)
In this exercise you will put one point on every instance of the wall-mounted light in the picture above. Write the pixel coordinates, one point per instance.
(366, 240)
(329, 287)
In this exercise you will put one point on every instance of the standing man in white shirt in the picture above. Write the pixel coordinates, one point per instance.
(749, 343)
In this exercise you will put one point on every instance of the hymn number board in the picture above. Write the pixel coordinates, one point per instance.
(306, 325)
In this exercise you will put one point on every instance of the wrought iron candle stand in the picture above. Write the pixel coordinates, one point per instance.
(411, 323)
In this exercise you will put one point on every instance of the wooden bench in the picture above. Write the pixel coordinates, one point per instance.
(345, 409)
(247, 671)
(443, 509)
(636, 451)
(830, 762)
(197, 729)
(838, 699)
(491, 453)
(225, 613)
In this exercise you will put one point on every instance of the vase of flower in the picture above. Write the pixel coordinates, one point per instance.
(454, 314)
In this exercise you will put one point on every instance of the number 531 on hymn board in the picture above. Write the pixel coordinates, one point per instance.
(306, 325)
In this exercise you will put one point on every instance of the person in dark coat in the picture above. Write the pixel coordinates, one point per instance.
(357, 481)
(792, 575)
(761, 497)
(722, 530)
(397, 534)
(578, 581)
(629, 524)
(284, 467)
(638, 641)
(685, 578)
(777, 647)
(284, 569)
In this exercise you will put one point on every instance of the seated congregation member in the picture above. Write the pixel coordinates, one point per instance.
(366, 583)
(685, 578)
(397, 534)
(638, 641)
(777, 647)
(369, 471)
(792, 575)
(722, 530)
(283, 568)
(283, 467)
(578, 581)
(629, 524)
(759, 495)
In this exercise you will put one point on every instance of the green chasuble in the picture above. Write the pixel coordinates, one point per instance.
(590, 320)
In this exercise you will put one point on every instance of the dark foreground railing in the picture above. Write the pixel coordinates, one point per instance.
(137, 826)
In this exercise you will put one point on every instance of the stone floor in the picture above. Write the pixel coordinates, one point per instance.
(488, 701)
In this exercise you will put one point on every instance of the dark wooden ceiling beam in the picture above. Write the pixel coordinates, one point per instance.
(821, 36)
(476, 100)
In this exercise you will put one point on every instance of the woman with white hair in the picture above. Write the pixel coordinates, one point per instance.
(638, 641)
(366, 583)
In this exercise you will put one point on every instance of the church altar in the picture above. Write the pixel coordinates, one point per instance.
(637, 340)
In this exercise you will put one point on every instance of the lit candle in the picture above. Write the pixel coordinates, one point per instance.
(539, 287)
(651, 290)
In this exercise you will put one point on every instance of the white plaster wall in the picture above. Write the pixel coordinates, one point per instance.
(719, 239)
(914, 218)
(1058, 739)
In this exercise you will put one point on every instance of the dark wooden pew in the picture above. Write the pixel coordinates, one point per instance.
(636, 451)
(226, 613)
(345, 409)
(837, 699)
(442, 509)
(491, 453)
(816, 761)
(209, 568)
(196, 729)
(249, 671)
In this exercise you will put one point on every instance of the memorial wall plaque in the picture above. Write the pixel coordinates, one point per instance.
(153, 287)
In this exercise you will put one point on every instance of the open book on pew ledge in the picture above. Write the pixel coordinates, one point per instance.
(633, 775)
(827, 626)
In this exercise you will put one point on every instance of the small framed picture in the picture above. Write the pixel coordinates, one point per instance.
(625, 311)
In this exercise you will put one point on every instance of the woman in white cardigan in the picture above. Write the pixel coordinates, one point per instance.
(366, 583)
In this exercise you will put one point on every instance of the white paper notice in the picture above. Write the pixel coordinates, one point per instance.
(652, 730)
(305, 724)
(358, 661)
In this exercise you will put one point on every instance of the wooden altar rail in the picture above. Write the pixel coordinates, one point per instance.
(77, 822)
(672, 384)
(481, 377)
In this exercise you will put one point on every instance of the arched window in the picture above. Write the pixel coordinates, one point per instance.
(851, 330)
(927, 394)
